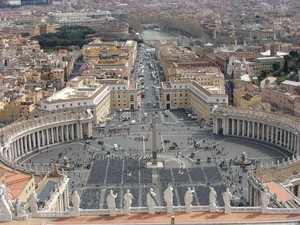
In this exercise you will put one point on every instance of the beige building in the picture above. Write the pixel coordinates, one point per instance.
(283, 97)
(176, 60)
(191, 95)
(265, 64)
(100, 96)
(109, 59)
(247, 97)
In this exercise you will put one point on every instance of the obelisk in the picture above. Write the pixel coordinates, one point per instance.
(154, 145)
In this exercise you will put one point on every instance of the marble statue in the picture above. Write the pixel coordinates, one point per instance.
(5, 209)
(33, 200)
(265, 200)
(20, 209)
(150, 201)
(8, 197)
(212, 197)
(168, 197)
(227, 197)
(188, 199)
(127, 201)
(2, 191)
(212, 200)
(111, 203)
(76, 201)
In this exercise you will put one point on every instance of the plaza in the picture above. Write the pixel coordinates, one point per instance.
(99, 167)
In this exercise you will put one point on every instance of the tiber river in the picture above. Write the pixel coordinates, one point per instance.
(153, 35)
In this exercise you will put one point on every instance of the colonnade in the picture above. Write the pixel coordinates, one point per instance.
(259, 125)
(39, 135)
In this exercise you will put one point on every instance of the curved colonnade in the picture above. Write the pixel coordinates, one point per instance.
(24, 137)
(272, 128)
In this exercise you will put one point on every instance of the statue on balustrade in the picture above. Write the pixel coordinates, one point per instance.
(168, 197)
(76, 201)
(188, 199)
(265, 200)
(33, 200)
(5, 208)
(127, 201)
(111, 203)
(20, 210)
(151, 201)
(227, 197)
(212, 199)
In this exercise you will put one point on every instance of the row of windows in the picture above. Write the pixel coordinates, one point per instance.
(71, 104)
(118, 105)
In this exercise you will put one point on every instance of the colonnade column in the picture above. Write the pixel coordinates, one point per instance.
(62, 133)
(248, 128)
(237, 127)
(43, 138)
(263, 132)
(52, 135)
(243, 128)
(288, 140)
(57, 134)
(18, 147)
(253, 129)
(22, 146)
(30, 142)
(268, 133)
(281, 134)
(72, 131)
(67, 132)
(47, 137)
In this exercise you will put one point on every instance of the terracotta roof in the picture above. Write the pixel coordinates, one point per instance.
(282, 194)
(16, 182)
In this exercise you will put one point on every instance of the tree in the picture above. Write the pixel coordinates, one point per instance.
(276, 66)
(294, 54)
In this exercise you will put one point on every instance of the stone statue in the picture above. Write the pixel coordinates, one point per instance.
(111, 203)
(2, 191)
(212, 200)
(20, 209)
(150, 201)
(227, 197)
(76, 201)
(5, 208)
(188, 199)
(168, 197)
(265, 200)
(127, 202)
(33, 200)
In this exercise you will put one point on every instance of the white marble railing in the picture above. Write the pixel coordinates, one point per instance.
(97, 212)
(245, 209)
(285, 162)
(42, 214)
(283, 211)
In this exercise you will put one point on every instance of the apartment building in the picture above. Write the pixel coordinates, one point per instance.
(109, 59)
(189, 94)
(175, 59)
(284, 97)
